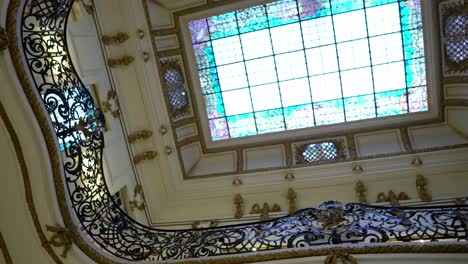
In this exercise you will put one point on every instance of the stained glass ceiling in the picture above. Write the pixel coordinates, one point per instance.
(296, 64)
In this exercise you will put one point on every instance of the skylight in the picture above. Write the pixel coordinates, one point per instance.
(296, 64)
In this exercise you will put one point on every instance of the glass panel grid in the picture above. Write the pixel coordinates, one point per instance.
(295, 64)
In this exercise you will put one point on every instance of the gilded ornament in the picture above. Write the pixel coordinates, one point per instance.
(289, 176)
(344, 257)
(148, 155)
(140, 135)
(237, 181)
(168, 150)
(265, 210)
(292, 199)
(460, 200)
(205, 224)
(3, 39)
(140, 33)
(138, 201)
(417, 162)
(330, 214)
(357, 169)
(361, 192)
(163, 130)
(60, 238)
(421, 187)
(146, 56)
(123, 61)
(111, 104)
(392, 198)
(116, 39)
(239, 206)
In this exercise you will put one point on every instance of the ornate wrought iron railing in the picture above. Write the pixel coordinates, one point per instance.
(76, 123)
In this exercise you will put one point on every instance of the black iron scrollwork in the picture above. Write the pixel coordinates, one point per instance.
(75, 120)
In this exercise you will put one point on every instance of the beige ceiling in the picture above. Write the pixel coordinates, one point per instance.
(176, 4)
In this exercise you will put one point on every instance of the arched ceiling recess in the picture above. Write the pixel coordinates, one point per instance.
(50, 81)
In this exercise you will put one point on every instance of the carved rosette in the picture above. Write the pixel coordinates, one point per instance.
(3, 39)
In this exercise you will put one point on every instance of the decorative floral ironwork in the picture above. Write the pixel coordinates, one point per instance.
(67, 101)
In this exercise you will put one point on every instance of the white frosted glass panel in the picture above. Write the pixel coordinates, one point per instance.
(256, 44)
(295, 92)
(291, 65)
(266, 97)
(353, 54)
(322, 60)
(237, 102)
(232, 76)
(389, 77)
(357, 82)
(349, 26)
(386, 48)
(318, 32)
(383, 19)
(261, 71)
(325, 87)
(227, 50)
(286, 38)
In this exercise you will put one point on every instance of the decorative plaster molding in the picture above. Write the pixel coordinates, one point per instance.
(140, 135)
(421, 187)
(116, 39)
(4, 42)
(123, 61)
(60, 238)
(361, 192)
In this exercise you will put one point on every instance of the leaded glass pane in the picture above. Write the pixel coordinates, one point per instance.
(383, 19)
(227, 50)
(241, 125)
(325, 87)
(252, 19)
(291, 65)
(389, 76)
(219, 129)
(286, 38)
(232, 76)
(353, 54)
(261, 71)
(391, 103)
(318, 32)
(295, 92)
(256, 44)
(214, 105)
(386, 48)
(269, 121)
(360, 107)
(266, 97)
(329, 112)
(299, 116)
(357, 82)
(341, 6)
(294, 64)
(417, 98)
(282, 12)
(237, 102)
(342, 23)
(313, 8)
(199, 29)
(322, 60)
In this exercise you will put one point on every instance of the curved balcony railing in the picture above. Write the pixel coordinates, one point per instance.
(76, 123)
